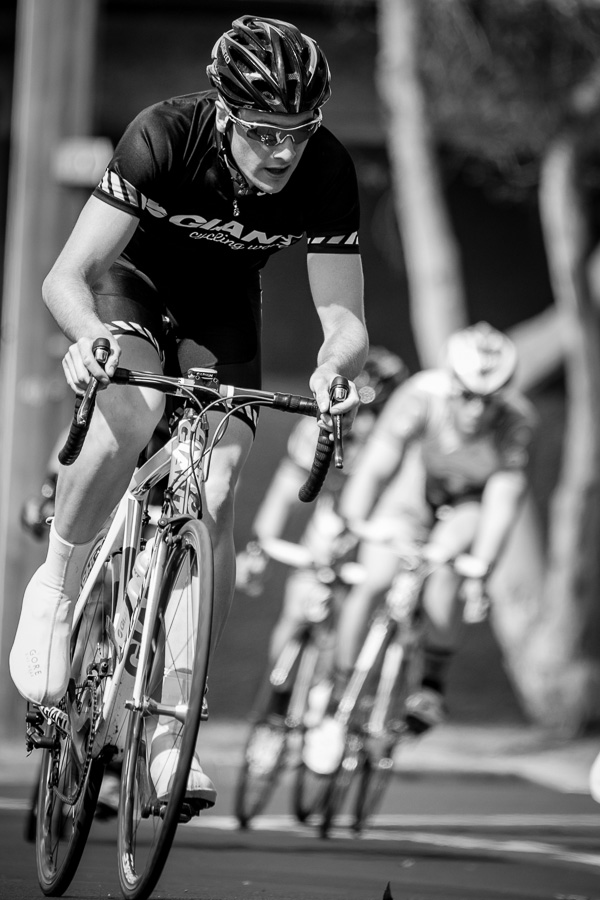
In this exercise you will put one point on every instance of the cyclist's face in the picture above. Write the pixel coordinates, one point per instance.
(472, 413)
(268, 168)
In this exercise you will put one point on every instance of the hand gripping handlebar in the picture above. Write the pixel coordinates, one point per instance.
(338, 391)
(84, 405)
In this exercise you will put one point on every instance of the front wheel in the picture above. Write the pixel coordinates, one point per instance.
(340, 782)
(160, 746)
(399, 674)
(264, 758)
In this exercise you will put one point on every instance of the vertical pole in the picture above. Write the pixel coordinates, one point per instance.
(54, 67)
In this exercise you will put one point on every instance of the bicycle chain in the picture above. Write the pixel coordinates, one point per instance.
(72, 800)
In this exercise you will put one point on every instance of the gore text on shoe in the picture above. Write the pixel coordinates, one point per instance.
(40, 656)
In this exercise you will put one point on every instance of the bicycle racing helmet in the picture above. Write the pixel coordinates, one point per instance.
(382, 373)
(269, 65)
(482, 359)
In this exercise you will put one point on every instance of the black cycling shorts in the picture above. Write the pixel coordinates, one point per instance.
(128, 303)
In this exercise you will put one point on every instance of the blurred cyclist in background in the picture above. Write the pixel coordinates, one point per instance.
(445, 465)
(325, 532)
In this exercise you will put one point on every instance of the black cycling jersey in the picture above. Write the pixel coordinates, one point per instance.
(196, 242)
(203, 237)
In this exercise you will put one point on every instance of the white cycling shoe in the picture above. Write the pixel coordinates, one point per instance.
(164, 757)
(324, 745)
(40, 660)
(424, 710)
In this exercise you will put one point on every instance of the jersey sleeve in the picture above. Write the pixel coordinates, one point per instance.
(142, 160)
(335, 218)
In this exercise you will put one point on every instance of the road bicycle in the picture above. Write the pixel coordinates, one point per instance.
(388, 669)
(141, 640)
(296, 689)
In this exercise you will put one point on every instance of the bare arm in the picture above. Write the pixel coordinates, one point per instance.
(378, 462)
(500, 505)
(279, 501)
(99, 236)
(336, 282)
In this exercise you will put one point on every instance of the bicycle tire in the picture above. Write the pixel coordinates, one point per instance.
(264, 760)
(308, 793)
(379, 745)
(62, 827)
(265, 753)
(146, 825)
(309, 787)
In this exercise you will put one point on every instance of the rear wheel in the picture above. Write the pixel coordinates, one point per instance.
(172, 693)
(70, 780)
(264, 758)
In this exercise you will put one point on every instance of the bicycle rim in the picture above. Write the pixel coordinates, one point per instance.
(309, 792)
(147, 824)
(266, 748)
(396, 679)
(309, 787)
(374, 779)
(264, 757)
(69, 780)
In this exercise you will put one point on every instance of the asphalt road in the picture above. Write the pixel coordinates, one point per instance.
(440, 835)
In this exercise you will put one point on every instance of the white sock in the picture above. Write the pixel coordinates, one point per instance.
(64, 564)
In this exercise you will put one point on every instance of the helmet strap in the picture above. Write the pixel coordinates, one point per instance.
(241, 187)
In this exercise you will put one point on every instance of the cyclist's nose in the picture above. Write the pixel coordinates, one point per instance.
(286, 150)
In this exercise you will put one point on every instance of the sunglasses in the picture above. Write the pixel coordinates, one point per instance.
(272, 135)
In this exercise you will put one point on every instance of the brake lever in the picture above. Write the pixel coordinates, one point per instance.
(338, 391)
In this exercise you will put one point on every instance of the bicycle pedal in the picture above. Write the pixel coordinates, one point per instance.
(191, 808)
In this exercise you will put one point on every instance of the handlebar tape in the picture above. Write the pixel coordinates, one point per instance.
(318, 471)
(296, 404)
(82, 418)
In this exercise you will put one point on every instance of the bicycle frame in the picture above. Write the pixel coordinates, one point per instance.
(397, 615)
(123, 691)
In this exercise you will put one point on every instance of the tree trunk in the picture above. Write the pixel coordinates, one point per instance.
(563, 657)
(437, 299)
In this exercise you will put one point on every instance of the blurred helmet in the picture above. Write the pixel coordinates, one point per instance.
(382, 373)
(482, 359)
(269, 65)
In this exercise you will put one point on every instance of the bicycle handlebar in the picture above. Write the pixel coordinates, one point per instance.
(203, 385)
(84, 406)
(325, 449)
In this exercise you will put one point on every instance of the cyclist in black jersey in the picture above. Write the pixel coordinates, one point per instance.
(201, 191)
